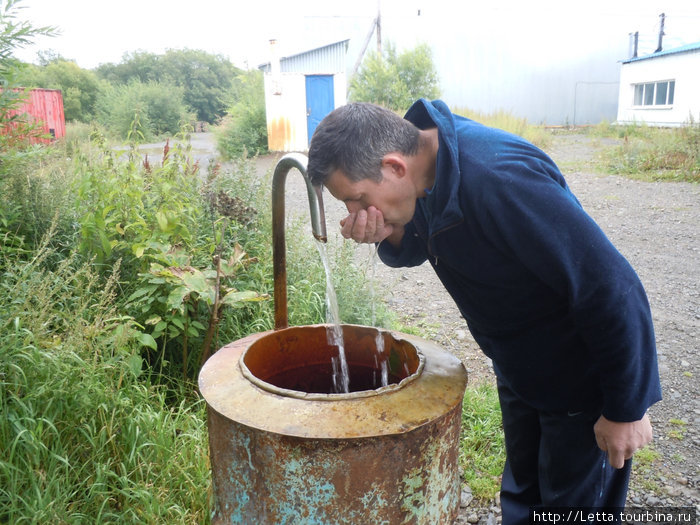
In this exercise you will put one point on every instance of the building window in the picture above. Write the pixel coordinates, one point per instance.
(654, 93)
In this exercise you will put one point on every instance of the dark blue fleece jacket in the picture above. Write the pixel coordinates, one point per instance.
(546, 295)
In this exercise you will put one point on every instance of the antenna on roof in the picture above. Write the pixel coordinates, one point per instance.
(379, 29)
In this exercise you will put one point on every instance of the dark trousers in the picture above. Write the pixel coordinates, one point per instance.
(552, 460)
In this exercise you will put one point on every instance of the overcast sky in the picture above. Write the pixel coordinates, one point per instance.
(98, 31)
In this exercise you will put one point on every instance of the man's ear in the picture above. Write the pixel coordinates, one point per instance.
(396, 163)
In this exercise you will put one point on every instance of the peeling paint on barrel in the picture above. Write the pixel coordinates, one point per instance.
(399, 472)
(405, 479)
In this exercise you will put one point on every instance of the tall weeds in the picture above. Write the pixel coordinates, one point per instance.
(654, 154)
(85, 437)
(105, 303)
(509, 122)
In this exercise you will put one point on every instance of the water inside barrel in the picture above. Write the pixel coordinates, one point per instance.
(318, 379)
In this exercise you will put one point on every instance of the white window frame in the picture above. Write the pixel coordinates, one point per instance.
(642, 91)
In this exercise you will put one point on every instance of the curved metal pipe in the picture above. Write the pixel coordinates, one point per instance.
(318, 226)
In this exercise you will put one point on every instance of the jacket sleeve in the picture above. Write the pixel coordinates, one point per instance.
(412, 251)
(527, 210)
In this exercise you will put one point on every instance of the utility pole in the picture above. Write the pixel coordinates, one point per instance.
(364, 46)
(379, 29)
(375, 26)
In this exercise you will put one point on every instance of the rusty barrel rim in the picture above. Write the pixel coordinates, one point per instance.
(438, 389)
(286, 392)
(359, 394)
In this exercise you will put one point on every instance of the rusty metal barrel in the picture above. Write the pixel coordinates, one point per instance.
(286, 451)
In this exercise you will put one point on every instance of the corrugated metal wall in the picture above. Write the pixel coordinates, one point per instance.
(45, 108)
(329, 59)
(323, 60)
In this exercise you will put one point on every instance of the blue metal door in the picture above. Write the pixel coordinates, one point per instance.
(319, 100)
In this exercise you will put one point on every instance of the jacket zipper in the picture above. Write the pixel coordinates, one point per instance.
(430, 237)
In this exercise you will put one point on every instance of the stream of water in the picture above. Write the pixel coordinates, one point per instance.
(341, 374)
(379, 341)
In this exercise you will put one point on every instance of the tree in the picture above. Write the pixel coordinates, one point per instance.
(205, 78)
(142, 111)
(139, 65)
(14, 35)
(396, 80)
(80, 87)
(244, 130)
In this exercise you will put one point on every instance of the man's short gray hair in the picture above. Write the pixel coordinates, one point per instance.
(354, 139)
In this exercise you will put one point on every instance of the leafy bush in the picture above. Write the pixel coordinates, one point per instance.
(141, 112)
(179, 256)
(85, 437)
(204, 78)
(396, 80)
(244, 130)
(79, 87)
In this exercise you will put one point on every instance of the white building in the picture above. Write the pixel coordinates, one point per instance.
(661, 89)
(300, 90)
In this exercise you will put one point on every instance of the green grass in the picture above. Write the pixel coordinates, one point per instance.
(641, 152)
(482, 445)
(85, 436)
(678, 429)
(509, 122)
(653, 154)
(645, 470)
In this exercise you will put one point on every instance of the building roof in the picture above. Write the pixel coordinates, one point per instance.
(320, 58)
(676, 50)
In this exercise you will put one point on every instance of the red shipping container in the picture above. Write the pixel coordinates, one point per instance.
(45, 109)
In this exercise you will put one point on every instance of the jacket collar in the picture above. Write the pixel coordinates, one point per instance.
(444, 196)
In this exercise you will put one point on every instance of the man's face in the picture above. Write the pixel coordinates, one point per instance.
(393, 195)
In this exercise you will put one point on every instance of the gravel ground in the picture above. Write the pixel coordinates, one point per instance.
(654, 225)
